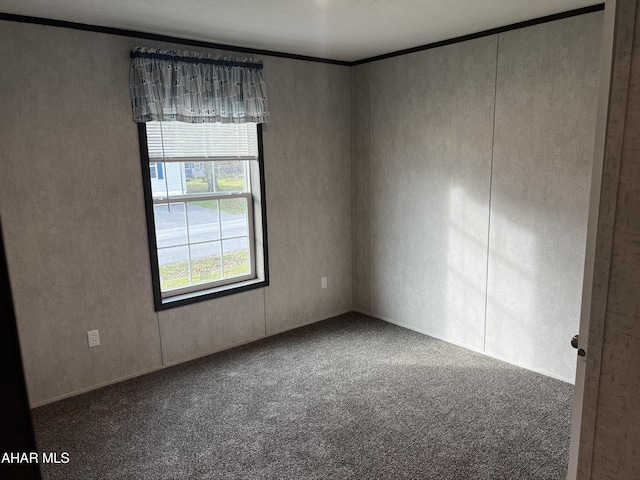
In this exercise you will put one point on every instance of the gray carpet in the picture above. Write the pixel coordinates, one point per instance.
(348, 398)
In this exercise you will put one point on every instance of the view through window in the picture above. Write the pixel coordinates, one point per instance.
(204, 182)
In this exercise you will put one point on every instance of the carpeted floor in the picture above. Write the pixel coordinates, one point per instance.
(348, 398)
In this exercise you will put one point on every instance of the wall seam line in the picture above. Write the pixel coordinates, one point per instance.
(493, 142)
(160, 337)
(369, 154)
(353, 195)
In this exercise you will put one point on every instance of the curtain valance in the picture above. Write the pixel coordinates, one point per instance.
(196, 88)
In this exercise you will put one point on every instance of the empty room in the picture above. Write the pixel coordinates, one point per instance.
(320, 239)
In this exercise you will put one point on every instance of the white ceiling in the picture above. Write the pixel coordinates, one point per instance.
(345, 30)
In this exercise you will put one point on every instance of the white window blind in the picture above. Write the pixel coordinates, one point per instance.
(179, 141)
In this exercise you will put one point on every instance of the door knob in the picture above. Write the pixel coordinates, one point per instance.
(574, 344)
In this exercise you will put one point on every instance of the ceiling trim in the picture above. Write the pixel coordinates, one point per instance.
(162, 38)
(254, 51)
(485, 33)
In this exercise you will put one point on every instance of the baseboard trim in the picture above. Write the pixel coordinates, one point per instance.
(271, 334)
(277, 332)
(174, 363)
(212, 352)
(363, 312)
(94, 387)
(473, 349)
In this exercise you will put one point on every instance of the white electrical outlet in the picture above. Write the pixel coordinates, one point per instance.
(323, 282)
(94, 338)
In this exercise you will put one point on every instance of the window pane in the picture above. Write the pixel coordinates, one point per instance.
(214, 177)
(173, 264)
(171, 181)
(196, 178)
(231, 176)
(171, 226)
(184, 178)
(203, 221)
(233, 216)
(205, 262)
(236, 257)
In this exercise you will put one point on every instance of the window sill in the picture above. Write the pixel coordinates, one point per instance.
(210, 293)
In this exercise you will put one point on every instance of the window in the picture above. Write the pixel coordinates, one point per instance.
(205, 209)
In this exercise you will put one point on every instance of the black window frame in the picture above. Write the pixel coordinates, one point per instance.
(205, 294)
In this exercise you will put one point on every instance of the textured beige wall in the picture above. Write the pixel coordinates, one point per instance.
(308, 192)
(431, 131)
(73, 213)
(427, 208)
(72, 209)
(547, 85)
(610, 437)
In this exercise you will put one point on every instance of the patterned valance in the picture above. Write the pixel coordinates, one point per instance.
(196, 88)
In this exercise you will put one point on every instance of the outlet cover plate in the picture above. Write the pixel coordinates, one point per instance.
(93, 337)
